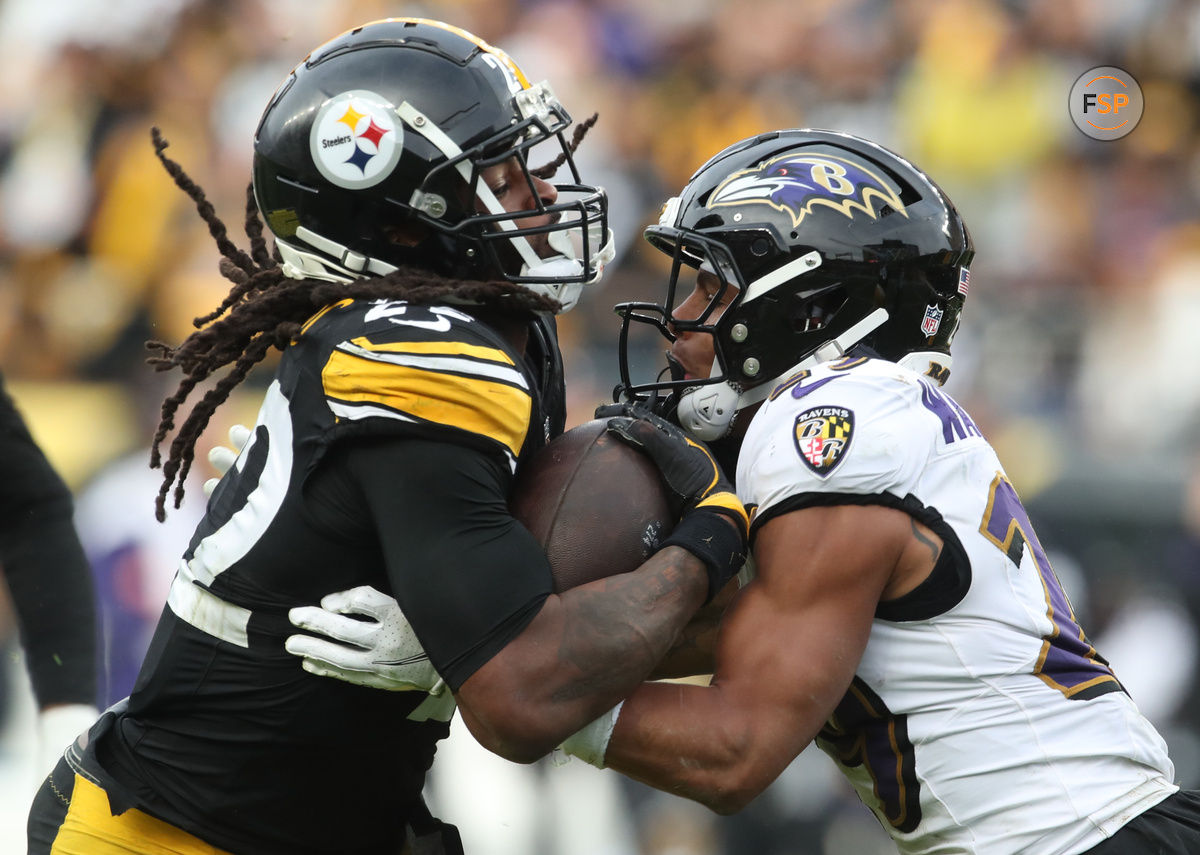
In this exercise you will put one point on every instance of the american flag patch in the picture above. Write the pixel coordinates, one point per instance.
(964, 281)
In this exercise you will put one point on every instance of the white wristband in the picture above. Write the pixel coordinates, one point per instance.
(590, 743)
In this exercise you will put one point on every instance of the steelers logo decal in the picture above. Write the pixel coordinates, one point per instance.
(822, 436)
(356, 139)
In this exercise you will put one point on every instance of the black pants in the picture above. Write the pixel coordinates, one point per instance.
(49, 808)
(1171, 827)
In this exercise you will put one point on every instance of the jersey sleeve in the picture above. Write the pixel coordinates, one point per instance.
(851, 439)
(45, 568)
(468, 576)
(431, 371)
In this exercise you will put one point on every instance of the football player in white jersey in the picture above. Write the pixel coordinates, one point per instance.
(902, 612)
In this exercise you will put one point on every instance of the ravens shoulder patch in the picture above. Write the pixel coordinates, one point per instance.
(822, 436)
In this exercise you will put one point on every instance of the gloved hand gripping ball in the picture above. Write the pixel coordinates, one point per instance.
(713, 523)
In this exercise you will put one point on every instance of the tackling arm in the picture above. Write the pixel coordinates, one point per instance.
(787, 652)
(527, 667)
(585, 650)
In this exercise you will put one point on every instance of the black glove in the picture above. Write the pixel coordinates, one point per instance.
(714, 525)
(688, 468)
(637, 407)
(607, 411)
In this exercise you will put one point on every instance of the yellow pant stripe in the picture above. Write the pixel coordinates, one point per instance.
(91, 829)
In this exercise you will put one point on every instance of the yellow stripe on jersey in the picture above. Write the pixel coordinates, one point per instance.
(323, 313)
(441, 348)
(90, 828)
(477, 404)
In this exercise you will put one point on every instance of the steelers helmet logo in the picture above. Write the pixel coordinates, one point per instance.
(356, 139)
(822, 436)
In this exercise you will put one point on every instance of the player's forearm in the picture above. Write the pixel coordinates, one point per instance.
(616, 630)
(586, 650)
(684, 739)
(692, 652)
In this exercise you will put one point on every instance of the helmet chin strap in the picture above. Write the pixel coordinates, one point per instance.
(706, 412)
(301, 264)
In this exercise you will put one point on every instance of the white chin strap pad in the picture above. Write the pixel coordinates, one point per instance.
(706, 412)
(559, 268)
(566, 266)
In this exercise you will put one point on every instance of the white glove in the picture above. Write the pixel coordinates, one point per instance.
(58, 727)
(222, 457)
(380, 653)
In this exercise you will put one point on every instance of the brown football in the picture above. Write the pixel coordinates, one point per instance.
(597, 506)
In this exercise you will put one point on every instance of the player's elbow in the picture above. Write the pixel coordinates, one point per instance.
(729, 792)
(729, 798)
(734, 776)
(518, 747)
(509, 731)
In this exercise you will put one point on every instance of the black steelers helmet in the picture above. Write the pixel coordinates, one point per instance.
(831, 241)
(369, 158)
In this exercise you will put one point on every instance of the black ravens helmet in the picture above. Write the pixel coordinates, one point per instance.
(369, 158)
(831, 241)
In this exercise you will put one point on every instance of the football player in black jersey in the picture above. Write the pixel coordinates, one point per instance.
(420, 257)
(901, 611)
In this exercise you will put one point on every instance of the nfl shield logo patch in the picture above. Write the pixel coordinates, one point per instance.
(822, 436)
(933, 320)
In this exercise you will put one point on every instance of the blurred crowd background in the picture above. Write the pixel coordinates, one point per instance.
(1079, 354)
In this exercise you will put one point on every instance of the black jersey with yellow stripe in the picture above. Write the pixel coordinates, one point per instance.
(391, 366)
(225, 735)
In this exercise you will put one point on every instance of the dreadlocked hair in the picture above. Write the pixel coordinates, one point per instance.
(577, 136)
(265, 308)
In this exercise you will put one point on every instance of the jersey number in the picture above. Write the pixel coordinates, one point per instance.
(1068, 662)
(864, 732)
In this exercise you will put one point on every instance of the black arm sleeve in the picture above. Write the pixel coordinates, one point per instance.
(45, 568)
(468, 576)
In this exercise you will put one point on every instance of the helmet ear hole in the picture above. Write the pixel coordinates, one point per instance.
(815, 313)
(407, 232)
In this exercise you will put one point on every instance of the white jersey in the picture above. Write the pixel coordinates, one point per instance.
(980, 719)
